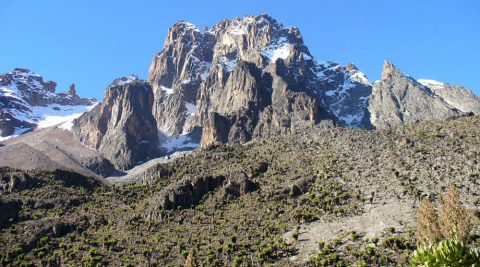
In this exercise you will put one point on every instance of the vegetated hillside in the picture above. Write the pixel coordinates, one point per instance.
(267, 202)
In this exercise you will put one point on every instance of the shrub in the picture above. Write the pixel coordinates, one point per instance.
(448, 252)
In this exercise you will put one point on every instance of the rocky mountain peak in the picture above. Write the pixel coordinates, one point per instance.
(247, 78)
(194, 76)
(390, 70)
(124, 80)
(399, 99)
(26, 99)
(71, 90)
(183, 30)
(351, 67)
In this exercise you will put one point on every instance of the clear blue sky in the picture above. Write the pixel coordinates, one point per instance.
(91, 42)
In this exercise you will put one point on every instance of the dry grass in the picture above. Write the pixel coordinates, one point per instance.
(428, 231)
(454, 219)
(453, 222)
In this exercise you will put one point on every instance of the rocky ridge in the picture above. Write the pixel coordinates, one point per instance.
(243, 79)
(25, 98)
(400, 99)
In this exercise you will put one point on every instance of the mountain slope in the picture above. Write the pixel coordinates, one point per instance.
(457, 96)
(53, 148)
(261, 203)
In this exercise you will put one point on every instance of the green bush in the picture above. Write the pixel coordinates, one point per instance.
(447, 252)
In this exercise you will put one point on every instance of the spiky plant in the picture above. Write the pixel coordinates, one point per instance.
(448, 252)
(454, 220)
(428, 231)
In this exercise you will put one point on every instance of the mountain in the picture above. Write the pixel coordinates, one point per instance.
(457, 96)
(242, 79)
(399, 99)
(290, 175)
(253, 74)
(27, 102)
(249, 78)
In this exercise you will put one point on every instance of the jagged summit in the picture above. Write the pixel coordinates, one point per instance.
(191, 60)
(389, 70)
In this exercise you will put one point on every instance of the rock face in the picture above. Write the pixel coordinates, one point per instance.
(122, 127)
(25, 97)
(399, 99)
(249, 77)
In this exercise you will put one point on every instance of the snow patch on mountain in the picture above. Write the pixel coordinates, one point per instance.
(125, 80)
(18, 131)
(431, 83)
(228, 64)
(279, 49)
(181, 142)
(190, 109)
(206, 70)
(190, 26)
(237, 28)
(167, 90)
(361, 78)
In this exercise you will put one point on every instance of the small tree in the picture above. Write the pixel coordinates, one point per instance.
(428, 231)
(448, 252)
(454, 220)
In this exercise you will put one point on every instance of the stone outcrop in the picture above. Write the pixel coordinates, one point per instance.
(190, 191)
(399, 99)
(187, 192)
(122, 127)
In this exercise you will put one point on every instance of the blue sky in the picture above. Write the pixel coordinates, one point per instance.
(91, 42)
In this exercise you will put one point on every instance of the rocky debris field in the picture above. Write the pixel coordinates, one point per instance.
(319, 196)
